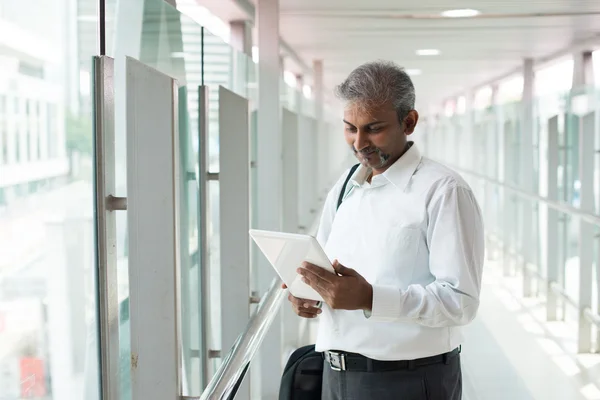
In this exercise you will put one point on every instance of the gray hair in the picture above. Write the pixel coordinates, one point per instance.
(376, 83)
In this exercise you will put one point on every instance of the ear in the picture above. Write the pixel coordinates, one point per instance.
(410, 122)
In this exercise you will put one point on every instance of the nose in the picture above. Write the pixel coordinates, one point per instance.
(361, 141)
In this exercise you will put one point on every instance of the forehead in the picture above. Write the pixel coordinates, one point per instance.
(359, 114)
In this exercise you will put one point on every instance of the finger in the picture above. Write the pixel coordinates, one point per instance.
(307, 310)
(310, 309)
(321, 273)
(302, 302)
(317, 283)
(307, 315)
(283, 286)
(344, 271)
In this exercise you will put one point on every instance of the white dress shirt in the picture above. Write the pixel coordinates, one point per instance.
(415, 233)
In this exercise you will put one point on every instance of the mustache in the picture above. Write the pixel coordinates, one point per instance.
(366, 151)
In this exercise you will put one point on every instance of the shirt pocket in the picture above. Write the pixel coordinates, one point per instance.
(398, 255)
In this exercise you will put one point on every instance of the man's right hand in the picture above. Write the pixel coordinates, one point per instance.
(304, 308)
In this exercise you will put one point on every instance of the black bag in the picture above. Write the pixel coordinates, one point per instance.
(303, 374)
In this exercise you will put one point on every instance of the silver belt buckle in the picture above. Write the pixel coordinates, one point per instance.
(337, 361)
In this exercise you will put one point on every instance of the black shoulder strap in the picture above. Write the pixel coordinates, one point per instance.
(343, 191)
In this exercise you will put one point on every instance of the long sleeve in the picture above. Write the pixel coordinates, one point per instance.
(455, 240)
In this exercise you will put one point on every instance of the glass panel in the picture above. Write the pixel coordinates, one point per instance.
(160, 36)
(48, 346)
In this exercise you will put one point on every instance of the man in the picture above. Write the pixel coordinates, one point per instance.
(408, 244)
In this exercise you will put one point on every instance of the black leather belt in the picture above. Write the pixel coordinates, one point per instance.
(342, 361)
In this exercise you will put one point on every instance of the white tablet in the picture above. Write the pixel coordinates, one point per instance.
(286, 252)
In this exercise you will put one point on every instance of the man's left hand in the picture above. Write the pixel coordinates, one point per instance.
(346, 291)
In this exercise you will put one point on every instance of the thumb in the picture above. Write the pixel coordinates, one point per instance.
(344, 271)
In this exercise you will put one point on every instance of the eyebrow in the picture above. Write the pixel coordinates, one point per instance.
(369, 124)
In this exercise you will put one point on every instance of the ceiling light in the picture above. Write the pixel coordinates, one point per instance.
(413, 72)
(462, 13)
(428, 52)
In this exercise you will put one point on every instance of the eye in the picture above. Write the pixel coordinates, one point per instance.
(350, 129)
(375, 129)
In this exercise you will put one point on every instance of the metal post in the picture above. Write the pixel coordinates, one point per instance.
(586, 230)
(106, 226)
(269, 173)
(203, 243)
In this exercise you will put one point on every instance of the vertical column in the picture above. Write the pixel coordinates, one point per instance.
(494, 165)
(22, 131)
(290, 322)
(241, 40)
(507, 197)
(321, 142)
(583, 69)
(11, 130)
(269, 167)
(303, 155)
(552, 220)
(526, 174)
(470, 155)
(586, 230)
(43, 130)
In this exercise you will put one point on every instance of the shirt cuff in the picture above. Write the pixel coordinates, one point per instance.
(386, 304)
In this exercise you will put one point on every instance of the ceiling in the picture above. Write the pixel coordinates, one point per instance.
(346, 33)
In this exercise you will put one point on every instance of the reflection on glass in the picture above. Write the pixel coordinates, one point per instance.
(47, 259)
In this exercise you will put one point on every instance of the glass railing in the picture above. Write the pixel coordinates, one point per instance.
(536, 174)
(48, 290)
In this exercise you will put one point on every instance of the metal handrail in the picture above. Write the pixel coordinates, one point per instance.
(593, 219)
(230, 374)
(565, 208)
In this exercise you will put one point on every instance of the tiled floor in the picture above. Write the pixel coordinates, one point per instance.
(510, 352)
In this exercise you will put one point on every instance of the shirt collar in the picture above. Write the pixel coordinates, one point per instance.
(399, 173)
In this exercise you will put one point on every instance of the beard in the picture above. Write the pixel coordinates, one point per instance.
(364, 155)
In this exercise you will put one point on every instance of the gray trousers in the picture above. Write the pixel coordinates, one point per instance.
(430, 382)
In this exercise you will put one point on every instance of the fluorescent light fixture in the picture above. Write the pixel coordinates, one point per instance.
(255, 54)
(462, 13)
(428, 52)
(413, 71)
